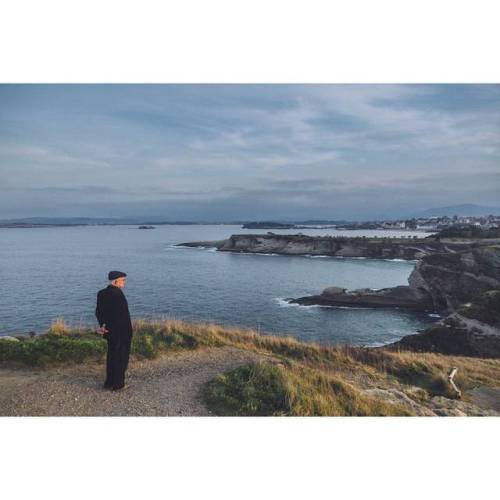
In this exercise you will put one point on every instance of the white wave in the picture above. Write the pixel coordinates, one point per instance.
(184, 246)
(434, 315)
(284, 302)
(381, 344)
(209, 249)
(348, 307)
(258, 253)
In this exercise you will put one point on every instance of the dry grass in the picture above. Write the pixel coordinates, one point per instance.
(60, 327)
(310, 379)
(356, 365)
(270, 389)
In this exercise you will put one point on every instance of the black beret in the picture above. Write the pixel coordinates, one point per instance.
(114, 275)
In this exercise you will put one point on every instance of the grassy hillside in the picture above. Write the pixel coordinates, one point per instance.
(293, 378)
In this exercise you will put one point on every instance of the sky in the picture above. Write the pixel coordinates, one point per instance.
(247, 152)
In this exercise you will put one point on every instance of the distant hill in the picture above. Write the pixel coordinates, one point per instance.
(61, 221)
(466, 209)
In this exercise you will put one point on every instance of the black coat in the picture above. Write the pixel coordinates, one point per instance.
(112, 310)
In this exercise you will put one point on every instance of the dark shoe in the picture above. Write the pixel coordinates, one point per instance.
(122, 388)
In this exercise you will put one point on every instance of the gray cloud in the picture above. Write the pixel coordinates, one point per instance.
(224, 150)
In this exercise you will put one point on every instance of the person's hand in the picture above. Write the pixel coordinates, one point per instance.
(102, 330)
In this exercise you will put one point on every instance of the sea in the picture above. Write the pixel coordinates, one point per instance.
(55, 272)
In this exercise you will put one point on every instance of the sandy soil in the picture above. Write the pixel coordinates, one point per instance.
(170, 385)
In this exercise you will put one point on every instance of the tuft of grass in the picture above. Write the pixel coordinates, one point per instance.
(270, 389)
(150, 339)
(59, 327)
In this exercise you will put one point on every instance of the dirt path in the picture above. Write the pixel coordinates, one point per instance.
(170, 385)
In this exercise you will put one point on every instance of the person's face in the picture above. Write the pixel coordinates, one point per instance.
(119, 282)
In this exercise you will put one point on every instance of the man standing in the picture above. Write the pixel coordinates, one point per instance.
(116, 327)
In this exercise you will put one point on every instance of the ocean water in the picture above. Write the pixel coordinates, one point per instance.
(53, 272)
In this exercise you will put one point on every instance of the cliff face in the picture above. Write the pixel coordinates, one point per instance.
(377, 248)
(466, 287)
(449, 280)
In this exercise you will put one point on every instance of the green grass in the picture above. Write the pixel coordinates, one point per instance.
(65, 344)
(50, 349)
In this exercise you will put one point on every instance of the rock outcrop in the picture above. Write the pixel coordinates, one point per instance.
(399, 297)
(473, 329)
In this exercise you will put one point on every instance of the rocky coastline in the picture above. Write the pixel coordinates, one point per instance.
(462, 287)
(459, 279)
(439, 283)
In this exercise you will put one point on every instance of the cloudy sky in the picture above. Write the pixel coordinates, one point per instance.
(226, 152)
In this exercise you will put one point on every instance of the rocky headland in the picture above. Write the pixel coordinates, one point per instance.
(337, 246)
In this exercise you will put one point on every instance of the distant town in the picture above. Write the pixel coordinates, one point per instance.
(426, 224)
(429, 224)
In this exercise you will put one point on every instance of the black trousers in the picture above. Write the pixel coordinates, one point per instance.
(117, 361)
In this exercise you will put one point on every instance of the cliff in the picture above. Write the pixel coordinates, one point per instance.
(472, 330)
(452, 279)
(335, 246)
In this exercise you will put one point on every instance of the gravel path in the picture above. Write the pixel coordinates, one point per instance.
(170, 385)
